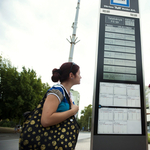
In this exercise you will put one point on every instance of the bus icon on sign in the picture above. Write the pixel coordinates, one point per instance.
(124, 3)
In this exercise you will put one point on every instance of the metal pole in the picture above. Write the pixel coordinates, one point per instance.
(73, 38)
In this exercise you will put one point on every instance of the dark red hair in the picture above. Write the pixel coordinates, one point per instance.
(62, 74)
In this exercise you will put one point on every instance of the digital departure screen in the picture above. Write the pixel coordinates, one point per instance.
(119, 49)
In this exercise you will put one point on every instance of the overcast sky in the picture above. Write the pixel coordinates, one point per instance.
(33, 34)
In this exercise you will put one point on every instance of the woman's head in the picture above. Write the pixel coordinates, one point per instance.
(62, 74)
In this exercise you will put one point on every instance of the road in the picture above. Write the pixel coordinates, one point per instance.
(9, 141)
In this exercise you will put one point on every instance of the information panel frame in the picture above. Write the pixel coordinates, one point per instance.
(119, 63)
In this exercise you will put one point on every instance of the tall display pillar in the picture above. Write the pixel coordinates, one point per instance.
(119, 112)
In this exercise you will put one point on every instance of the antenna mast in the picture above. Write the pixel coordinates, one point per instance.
(73, 38)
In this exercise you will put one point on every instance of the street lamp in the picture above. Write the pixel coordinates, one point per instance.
(73, 38)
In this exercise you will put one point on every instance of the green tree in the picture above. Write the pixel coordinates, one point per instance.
(85, 119)
(20, 91)
(9, 80)
(45, 87)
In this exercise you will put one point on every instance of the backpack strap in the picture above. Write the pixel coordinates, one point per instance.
(67, 97)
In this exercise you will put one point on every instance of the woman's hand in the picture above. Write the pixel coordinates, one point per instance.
(74, 108)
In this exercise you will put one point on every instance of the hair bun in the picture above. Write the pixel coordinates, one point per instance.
(59, 71)
(55, 75)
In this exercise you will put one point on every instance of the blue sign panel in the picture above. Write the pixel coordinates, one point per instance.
(124, 3)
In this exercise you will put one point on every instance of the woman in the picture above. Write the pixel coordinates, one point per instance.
(56, 107)
(52, 124)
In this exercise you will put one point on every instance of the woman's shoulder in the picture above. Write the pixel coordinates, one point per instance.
(56, 90)
(57, 87)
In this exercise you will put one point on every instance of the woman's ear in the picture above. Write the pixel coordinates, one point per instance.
(71, 75)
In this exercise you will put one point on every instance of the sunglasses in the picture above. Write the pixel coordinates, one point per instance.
(72, 66)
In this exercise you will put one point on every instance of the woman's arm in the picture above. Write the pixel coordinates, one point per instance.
(50, 116)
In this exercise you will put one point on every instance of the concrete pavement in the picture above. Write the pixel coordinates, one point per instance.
(8, 135)
(83, 144)
(9, 141)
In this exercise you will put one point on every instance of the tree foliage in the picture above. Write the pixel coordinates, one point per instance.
(85, 119)
(21, 91)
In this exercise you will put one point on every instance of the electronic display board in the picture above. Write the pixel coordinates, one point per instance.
(118, 106)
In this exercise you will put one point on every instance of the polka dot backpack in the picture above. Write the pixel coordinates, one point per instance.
(34, 136)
